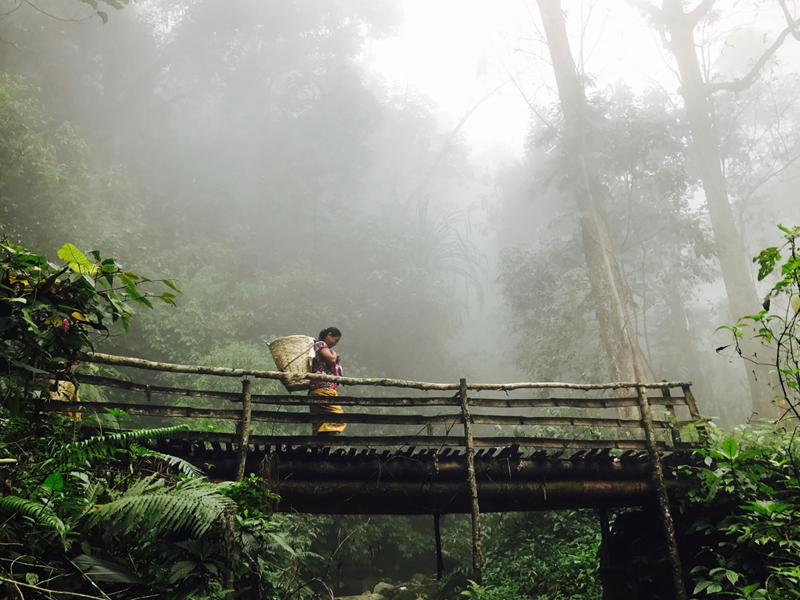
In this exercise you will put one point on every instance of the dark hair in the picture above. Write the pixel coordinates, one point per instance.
(329, 331)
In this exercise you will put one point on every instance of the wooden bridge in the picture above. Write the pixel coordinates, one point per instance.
(435, 449)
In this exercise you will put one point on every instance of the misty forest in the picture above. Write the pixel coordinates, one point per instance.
(555, 246)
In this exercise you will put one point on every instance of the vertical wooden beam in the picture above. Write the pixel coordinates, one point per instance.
(674, 431)
(692, 404)
(437, 532)
(477, 558)
(690, 401)
(663, 499)
(244, 433)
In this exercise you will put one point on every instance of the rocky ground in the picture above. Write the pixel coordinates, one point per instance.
(419, 588)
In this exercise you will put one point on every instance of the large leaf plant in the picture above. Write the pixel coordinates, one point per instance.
(51, 312)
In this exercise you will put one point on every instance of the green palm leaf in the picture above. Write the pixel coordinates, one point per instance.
(105, 445)
(151, 503)
(38, 512)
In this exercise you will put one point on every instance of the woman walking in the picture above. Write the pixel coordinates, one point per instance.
(326, 362)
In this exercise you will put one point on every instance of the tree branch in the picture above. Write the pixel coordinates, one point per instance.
(789, 19)
(745, 82)
(647, 7)
(51, 593)
(700, 11)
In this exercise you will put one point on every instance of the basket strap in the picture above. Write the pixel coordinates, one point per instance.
(304, 353)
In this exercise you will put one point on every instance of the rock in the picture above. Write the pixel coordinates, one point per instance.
(385, 589)
(405, 593)
(375, 597)
(418, 578)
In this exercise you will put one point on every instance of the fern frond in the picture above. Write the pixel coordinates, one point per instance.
(150, 503)
(101, 446)
(183, 466)
(34, 510)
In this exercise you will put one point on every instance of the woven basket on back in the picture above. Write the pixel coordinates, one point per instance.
(293, 354)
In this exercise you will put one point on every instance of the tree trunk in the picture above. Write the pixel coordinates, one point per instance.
(616, 327)
(739, 287)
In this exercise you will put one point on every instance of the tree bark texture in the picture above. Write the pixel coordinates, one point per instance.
(619, 340)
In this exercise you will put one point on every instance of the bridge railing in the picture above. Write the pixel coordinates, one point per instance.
(633, 426)
(528, 414)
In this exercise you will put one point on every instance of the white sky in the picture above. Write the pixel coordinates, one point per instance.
(456, 51)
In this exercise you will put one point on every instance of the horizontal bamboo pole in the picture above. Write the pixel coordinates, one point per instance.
(158, 410)
(124, 361)
(435, 469)
(584, 387)
(289, 400)
(422, 441)
(392, 497)
(139, 363)
(155, 389)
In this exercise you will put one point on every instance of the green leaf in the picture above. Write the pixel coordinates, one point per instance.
(28, 367)
(168, 298)
(169, 283)
(181, 570)
(751, 588)
(730, 448)
(77, 261)
(766, 261)
(701, 586)
(102, 570)
(103, 16)
(54, 481)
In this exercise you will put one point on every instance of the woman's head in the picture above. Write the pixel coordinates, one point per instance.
(330, 335)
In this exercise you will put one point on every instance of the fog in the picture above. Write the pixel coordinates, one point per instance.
(399, 170)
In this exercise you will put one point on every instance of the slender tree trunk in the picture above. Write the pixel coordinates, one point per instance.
(739, 287)
(616, 328)
(680, 329)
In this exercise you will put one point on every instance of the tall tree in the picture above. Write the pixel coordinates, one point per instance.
(616, 326)
(677, 27)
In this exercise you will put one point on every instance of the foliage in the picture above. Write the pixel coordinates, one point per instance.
(100, 514)
(42, 167)
(744, 529)
(539, 556)
(552, 310)
(49, 313)
(777, 326)
(660, 242)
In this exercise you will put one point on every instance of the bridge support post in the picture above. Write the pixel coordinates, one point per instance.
(477, 557)
(660, 485)
(244, 432)
(437, 532)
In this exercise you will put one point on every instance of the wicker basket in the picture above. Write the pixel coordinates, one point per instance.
(293, 354)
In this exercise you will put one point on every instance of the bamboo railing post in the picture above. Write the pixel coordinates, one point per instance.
(437, 532)
(660, 485)
(244, 425)
(690, 402)
(477, 558)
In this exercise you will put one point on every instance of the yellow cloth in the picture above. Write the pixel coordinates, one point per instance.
(325, 409)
